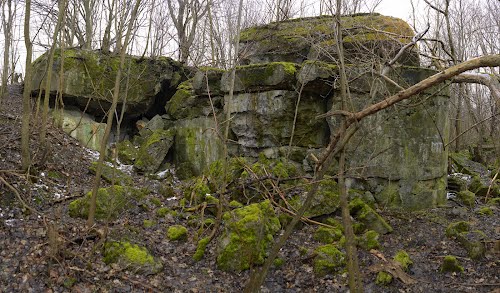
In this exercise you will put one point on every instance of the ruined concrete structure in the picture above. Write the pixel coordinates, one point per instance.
(290, 76)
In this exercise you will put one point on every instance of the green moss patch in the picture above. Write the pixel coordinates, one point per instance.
(383, 278)
(131, 256)
(177, 232)
(248, 231)
(369, 240)
(200, 249)
(485, 211)
(403, 259)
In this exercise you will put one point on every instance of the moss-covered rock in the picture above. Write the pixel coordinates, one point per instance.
(471, 240)
(177, 232)
(456, 228)
(365, 214)
(112, 174)
(328, 260)
(162, 212)
(468, 198)
(131, 257)
(111, 202)
(89, 77)
(403, 259)
(325, 202)
(248, 231)
(153, 150)
(482, 185)
(327, 235)
(451, 264)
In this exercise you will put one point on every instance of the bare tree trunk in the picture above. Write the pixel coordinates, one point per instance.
(88, 6)
(109, 123)
(25, 128)
(48, 81)
(7, 27)
(355, 281)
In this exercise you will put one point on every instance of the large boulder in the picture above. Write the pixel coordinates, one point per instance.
(89, 78)
(365, 36)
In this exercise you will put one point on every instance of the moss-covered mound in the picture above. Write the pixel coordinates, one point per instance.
(328, 260)
(131, 256)
(307, 38)
(177, 232)
(111, 202)
(89, 77)
(247, 234)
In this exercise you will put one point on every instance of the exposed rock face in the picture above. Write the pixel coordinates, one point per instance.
(397, 155)
(89, 79)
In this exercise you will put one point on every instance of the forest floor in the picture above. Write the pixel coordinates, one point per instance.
(48, 251)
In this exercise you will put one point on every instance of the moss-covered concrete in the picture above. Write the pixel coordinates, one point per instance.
(298, 39)
(153, 150)
(248, 232)
(131, 257)
(89, 76)
(262, 77)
